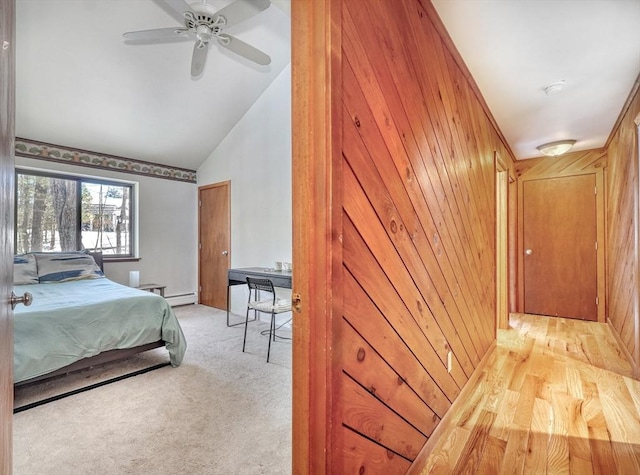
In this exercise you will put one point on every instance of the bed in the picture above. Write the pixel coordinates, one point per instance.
(79, 318)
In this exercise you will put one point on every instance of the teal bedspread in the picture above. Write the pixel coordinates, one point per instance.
(69, 321)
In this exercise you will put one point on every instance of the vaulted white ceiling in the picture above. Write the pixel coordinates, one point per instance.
(78, 84)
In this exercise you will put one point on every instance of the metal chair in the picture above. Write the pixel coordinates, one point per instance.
(272, 305)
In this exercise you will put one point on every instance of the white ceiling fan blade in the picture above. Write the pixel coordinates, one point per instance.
(157, 34)
(199, 58)
(243, 49)
(176, 8)
(241, 10)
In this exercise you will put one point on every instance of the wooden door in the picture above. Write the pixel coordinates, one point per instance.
(7, 109)
(560, 258)
(214, 220)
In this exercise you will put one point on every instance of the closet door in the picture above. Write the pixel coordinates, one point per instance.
(560, 250)
(214, 223)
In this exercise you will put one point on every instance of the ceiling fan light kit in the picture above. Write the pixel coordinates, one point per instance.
(555, 149)
(202, 23)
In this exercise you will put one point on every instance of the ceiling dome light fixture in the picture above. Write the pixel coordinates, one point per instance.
(554, 88)
(554, 149)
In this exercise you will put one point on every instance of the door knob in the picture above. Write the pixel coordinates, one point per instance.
(225, 253)
(528, 252)
(26, 299)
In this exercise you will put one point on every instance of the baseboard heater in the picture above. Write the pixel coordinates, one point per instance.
(181, 299)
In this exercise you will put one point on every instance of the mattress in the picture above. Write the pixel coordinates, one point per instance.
(69, 321)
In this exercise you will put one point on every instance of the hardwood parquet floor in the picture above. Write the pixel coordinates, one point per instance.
(556, 396)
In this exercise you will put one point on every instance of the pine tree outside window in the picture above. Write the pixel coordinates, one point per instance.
(69, 213)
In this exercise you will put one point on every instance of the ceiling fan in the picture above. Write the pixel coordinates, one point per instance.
(203, 24)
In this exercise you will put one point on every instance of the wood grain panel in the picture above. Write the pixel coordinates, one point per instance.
(418, 184)
(418, 225)
(372, 325)
(368, 416)
(409, 219)
(316, 147)
(7, 135)
(428, 217)
(623, 226)
(397, 137)
(369, 370)
(372, 278)
(364, 456)
(459, 164)
(573, 163)
(413, 247)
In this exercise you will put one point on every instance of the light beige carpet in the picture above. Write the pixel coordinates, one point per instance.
(221, 412)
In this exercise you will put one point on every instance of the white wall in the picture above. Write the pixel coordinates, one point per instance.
(167, 233)
(256, 157)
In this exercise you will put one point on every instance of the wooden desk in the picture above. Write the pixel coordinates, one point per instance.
(280, 278)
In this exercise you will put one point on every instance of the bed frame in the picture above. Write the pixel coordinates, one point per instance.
(102, 358)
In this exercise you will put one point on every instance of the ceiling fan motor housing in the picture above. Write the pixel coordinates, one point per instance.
(205, 23)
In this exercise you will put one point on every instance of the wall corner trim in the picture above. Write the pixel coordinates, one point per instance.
(634, 366)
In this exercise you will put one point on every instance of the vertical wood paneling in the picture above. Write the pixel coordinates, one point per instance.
(622, 184)
(418, 231)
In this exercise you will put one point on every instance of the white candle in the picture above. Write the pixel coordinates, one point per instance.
(134, 278)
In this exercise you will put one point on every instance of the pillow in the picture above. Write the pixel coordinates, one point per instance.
(25, 270)
(66, 266)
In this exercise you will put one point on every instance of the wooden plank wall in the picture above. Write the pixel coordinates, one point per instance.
(573, 163)
(622, 181)
(418, 235)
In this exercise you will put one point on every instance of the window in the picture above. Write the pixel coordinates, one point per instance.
(69, 213)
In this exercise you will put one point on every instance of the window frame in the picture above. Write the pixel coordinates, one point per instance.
(89, 179)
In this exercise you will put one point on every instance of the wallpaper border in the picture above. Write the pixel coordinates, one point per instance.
(57, 153)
